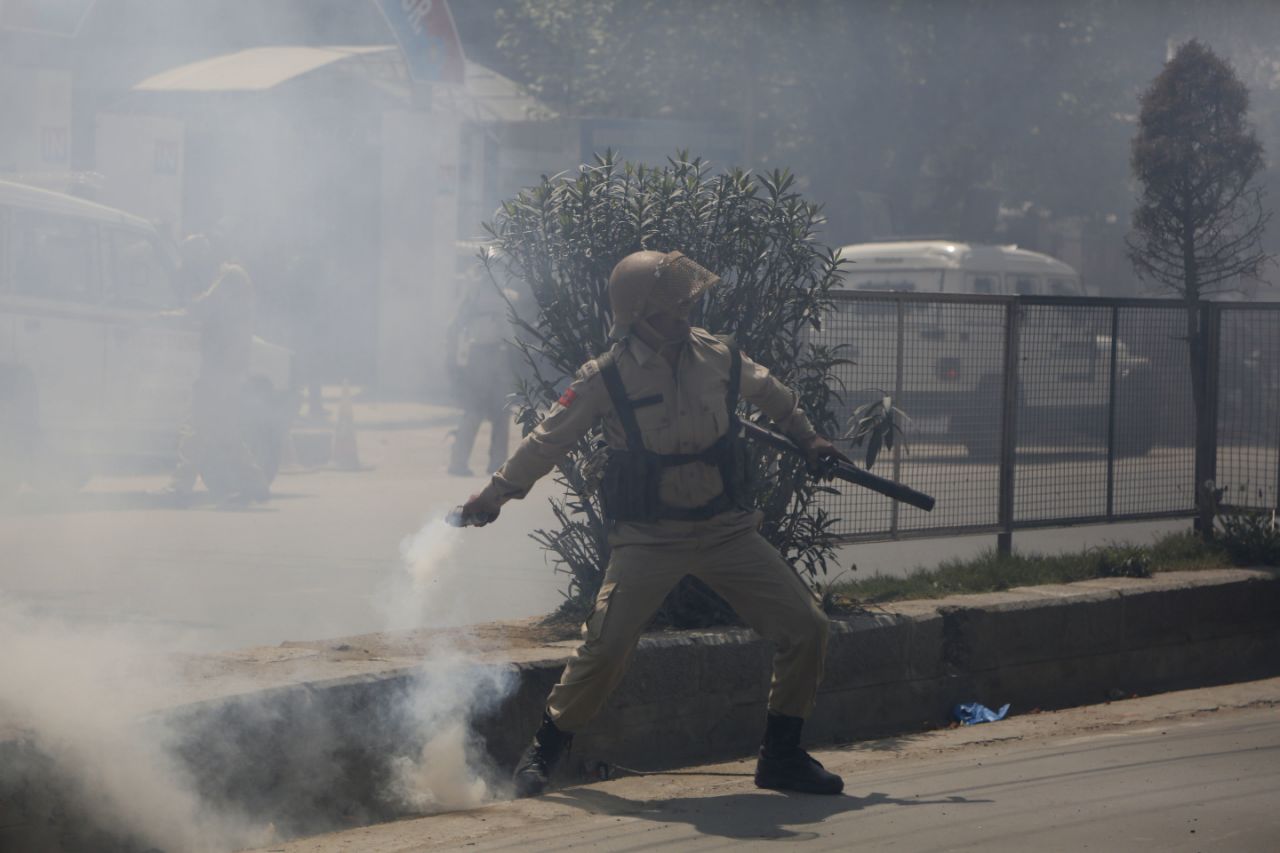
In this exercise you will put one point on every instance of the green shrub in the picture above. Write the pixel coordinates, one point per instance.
(560, 240)
(1250, 537)
(991, 572)
(1123, 561)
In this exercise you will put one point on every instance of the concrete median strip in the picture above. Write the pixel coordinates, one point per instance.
(303, 740)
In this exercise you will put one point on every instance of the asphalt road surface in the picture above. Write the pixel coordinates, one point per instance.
(323, 558)
(1191, 771)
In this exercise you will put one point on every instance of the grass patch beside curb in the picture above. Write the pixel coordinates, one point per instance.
(989, 572)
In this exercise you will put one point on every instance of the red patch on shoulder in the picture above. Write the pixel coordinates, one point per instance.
(567, 398)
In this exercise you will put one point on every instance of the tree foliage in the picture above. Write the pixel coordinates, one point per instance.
(560, 241)
(939, 106)
(1200, 218)
(1199, 222)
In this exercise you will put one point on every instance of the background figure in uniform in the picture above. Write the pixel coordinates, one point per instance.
(675, 493)
(480, 371)
(212, 445)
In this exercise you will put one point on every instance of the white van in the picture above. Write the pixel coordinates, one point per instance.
(944, 266)
(954, 352)
(87, 368)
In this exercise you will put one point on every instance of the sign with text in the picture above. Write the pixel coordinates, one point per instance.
(428, 39)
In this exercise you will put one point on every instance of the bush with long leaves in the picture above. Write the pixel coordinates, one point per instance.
(559, 240)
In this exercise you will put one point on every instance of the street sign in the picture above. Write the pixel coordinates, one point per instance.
(428, 39)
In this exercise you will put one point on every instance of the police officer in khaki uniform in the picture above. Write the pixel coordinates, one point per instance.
(667, 395)
(212, 445)
(480, 367)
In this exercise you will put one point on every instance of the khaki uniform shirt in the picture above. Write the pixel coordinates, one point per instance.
(679, 411)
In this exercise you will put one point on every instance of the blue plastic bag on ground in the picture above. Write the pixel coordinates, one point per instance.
(972, 713)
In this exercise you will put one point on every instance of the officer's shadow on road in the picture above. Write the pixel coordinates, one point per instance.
(749, 815)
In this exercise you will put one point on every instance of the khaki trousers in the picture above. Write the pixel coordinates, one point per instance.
(728, 555)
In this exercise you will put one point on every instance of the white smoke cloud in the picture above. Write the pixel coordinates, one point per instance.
(80, 694)
(426, 588)
(83, 695)
(452, 770)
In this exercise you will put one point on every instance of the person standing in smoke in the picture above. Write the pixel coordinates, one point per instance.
(675, 497)
(480, 367)
(212, 446)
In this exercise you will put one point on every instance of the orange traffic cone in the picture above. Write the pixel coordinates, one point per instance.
(345, 455)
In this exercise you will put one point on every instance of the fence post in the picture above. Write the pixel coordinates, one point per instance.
(1111, 414)
(1206, 454)
(897, 397)
(1008, 427)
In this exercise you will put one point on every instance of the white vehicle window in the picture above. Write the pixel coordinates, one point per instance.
(52, 257)
(982, 283)
(137, 278)
(1063, 287)
(1024, 285)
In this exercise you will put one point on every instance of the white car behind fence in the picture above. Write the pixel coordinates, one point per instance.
(88, 370)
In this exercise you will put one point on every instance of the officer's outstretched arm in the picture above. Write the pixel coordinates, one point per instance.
(568, 420)
(782, 405)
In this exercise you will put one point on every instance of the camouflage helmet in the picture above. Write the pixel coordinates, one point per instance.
(644, 283)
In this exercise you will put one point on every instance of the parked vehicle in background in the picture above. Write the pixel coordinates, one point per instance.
(87, 367)
(945, 266)
(1064, 354)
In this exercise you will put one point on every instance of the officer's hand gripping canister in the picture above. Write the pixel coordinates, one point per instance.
(458, 518)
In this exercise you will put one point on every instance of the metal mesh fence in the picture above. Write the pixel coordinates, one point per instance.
(940, 361)
(1155, 417)
(1103, 409)
(1064, 388)
(1248, 392)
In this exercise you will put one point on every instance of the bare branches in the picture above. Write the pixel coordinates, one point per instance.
(1199, 222)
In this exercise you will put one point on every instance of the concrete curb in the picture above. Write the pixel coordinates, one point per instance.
(317, 755)
(700, 696)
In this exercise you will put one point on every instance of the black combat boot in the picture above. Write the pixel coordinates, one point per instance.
(540, 759)
(783, 765)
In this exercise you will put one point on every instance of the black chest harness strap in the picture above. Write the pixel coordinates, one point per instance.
(630, 490)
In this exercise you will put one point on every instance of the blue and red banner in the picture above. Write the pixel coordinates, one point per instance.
(428, 39)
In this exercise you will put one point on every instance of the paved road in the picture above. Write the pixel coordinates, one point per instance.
(1161, 773)
(323, 558)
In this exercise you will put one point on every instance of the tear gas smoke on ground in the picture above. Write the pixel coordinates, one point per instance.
(452, 770)
(82, 697)
(79, 694)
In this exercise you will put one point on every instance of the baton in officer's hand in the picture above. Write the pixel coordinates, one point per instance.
(847, 471)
